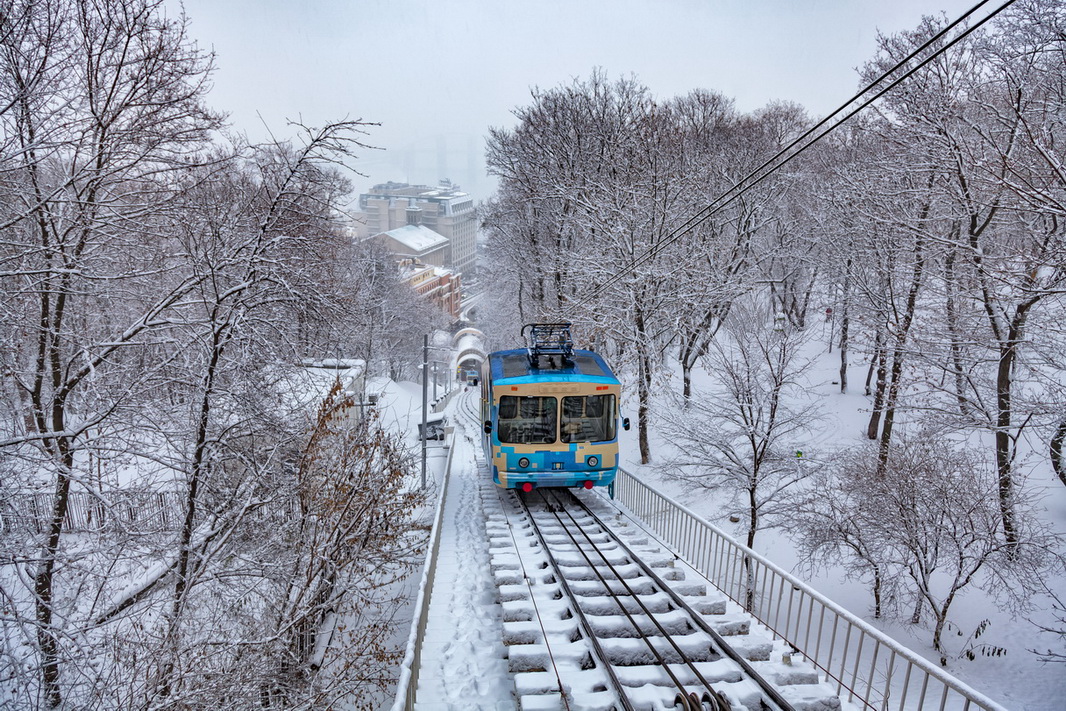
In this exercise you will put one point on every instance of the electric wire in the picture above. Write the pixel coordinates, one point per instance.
(836, 111)
(742, 186)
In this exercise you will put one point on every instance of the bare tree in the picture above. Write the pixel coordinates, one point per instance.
(154, 285)
(829, 527)
(103, 105)
(931, 516)
(720, 149)
(1058, 628)
(745, 436)
(589, 178)
(984, 117)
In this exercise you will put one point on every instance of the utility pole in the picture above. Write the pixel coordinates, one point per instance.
(425, 402)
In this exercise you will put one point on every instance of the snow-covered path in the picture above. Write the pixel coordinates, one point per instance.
(464, 663)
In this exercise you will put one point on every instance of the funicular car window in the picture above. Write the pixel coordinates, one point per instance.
(527, 419)
(588, 418)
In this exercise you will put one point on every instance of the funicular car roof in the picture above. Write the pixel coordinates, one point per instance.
(514, 367)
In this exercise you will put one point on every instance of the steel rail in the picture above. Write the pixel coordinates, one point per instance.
(709, 691)
(579, 613)
(536, 609)
(769, 689)
(685, 699)
(678, 684)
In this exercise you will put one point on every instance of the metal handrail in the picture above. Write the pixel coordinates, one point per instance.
(407, 685)
(870, 667)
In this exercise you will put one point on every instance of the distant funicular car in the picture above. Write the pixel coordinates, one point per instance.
(550, 413)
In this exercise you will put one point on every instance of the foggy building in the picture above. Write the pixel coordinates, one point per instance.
(444, 209)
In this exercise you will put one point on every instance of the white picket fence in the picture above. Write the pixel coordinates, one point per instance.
(143, 511)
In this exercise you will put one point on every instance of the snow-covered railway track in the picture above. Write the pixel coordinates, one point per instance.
(590, 624)
(608, 586)
(627, 640)
(467, 407)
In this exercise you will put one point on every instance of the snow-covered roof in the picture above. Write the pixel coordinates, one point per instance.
(305, 387)
(418, 238)
(357, 364)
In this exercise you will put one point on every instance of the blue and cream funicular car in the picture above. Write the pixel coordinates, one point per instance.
(550, 413)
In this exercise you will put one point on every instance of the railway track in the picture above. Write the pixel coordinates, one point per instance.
(595, 616)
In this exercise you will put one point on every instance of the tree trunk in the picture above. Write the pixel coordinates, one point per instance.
(643, 388)
(644, 407)
(1008, 352)
(694, 344)
(938, 632)
(1004, 445)
(43, 584)
(686, 356)
(877, 592)
(880, 358)
(845, 322)
(900, 352)
(891, 397)
(749, 572)
(196, 473)
(952, 313)
(1056, 450)
(870, 376)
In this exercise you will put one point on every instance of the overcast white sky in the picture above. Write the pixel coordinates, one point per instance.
(436, 75)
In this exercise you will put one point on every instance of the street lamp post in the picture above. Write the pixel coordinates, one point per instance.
(425, 398)
(425, 404)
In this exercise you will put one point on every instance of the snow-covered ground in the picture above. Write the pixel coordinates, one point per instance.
(464, 663)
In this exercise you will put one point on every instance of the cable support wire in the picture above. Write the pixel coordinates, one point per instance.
(773, 163)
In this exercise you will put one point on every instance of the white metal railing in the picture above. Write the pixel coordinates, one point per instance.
(868, 667)
(407, 686)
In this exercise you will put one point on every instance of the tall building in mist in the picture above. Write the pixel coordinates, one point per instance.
(444, 209)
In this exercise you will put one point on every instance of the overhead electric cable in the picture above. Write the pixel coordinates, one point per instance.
(743, 186)
(839, 109)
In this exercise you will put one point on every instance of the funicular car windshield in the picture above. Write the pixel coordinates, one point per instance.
(588, 418)
(527, 419)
